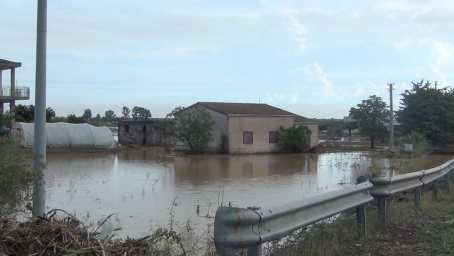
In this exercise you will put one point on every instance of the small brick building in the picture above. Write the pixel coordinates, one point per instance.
(140, 132)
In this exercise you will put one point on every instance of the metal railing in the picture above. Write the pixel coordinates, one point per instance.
(19, 92)
(239, 229)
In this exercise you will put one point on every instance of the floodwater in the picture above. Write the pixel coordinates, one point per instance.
(139, 187)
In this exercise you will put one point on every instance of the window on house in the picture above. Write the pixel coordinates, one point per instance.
(248, 137)
(126, 128)
(274, 136)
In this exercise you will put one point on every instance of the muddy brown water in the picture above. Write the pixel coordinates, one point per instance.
(140, 186)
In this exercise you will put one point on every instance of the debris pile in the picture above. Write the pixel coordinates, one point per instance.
(55, 235)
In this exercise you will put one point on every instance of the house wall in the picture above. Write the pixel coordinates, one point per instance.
(314, 135)
(219, 127)
(260, 126)
(136, 135)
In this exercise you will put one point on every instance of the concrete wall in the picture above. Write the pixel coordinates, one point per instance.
(260, 126)
(314, 135)
(151, 136)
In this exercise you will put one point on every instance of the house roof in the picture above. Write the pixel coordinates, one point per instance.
(245, 109)
(6, 64)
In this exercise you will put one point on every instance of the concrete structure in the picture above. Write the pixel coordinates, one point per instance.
(251, 128)
(9, 94)
(140, 132)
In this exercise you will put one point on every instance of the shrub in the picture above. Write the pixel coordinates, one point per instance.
(419, 141)
(224, 144)
(294, 139)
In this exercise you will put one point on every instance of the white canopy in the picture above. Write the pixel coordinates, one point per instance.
(65, 135)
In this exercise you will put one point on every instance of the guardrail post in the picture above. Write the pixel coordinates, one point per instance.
(380, 191)
(255, 250)
(417, 196)
(452, 176)
(447, 178)
(435, 187)
(361, 213)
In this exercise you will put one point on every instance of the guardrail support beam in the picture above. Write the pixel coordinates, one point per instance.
(452, 176)
(382, 210)
(435, 187)
(418, 196)
(361, 218)
(447, 178)
(255, 250)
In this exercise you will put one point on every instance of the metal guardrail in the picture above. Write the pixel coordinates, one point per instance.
(238, 229)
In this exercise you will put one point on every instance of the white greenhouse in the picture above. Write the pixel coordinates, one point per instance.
(65, 135)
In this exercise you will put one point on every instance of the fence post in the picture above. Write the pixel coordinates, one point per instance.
(361, 213)
(381, 192)
(255, 250)
(447, 178)
(435, 187)
(417, 196)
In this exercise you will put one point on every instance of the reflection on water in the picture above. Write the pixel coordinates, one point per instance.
(139, 186)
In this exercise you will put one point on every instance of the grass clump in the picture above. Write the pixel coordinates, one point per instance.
(16, 177)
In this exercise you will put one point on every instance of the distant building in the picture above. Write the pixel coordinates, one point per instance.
(140, 132)
(251, 127)
(10, 93)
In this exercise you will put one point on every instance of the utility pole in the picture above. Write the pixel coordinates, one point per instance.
(39, 146)
(391, 118)
(435, 85)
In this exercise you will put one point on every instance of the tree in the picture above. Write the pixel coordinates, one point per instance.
(109, 115)
(98, 117)
(139, 113)
(294, 139)
(334, 131)
(350, 125)
(50, 113)
(28, 113)
(191, 126)
(87, 114)
(125, 111)
(76, 120)
(428, 111)
(370, 117)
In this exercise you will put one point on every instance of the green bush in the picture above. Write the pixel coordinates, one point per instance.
(16, 177)
(294, 139)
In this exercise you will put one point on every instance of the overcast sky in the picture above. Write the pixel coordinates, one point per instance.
(313, 58)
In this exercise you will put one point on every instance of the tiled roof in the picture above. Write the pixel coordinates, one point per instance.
(245, 109)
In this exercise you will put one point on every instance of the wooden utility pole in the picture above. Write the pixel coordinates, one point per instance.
(391, 118)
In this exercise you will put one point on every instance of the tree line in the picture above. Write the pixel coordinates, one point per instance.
(424, 110)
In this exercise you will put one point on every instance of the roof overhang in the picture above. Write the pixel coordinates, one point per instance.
(6, 64)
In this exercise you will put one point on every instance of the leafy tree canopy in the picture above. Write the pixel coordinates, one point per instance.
(126, 112)
(140, 113)
(192, 126)
(371, 115)
(76, 120)
(109, 115)
(428, 111)
(87, 114)
(28, 113)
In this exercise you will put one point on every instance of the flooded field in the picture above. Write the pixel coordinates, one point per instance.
(140, 186)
